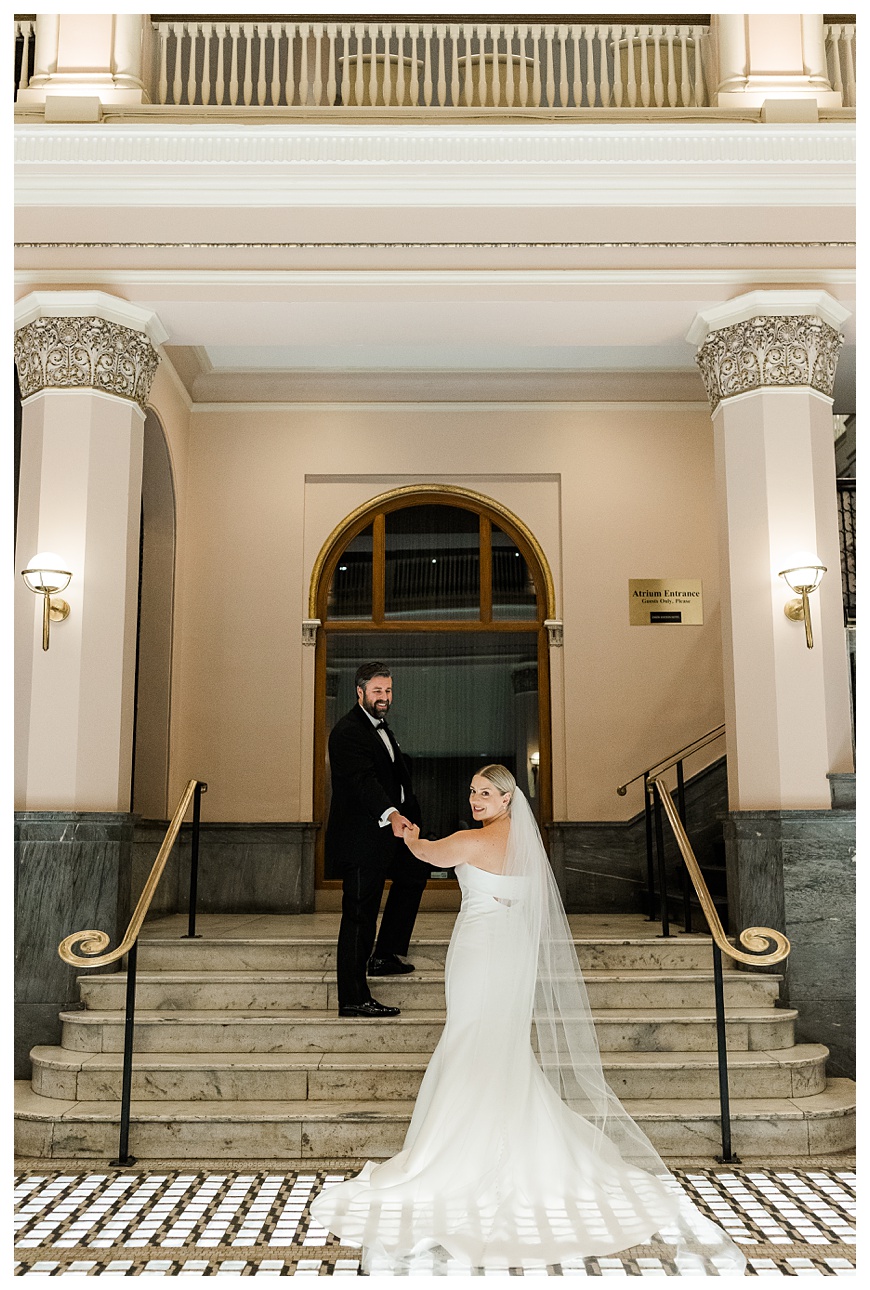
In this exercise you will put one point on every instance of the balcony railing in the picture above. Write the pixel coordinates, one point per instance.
(279, 62)
(395, 63)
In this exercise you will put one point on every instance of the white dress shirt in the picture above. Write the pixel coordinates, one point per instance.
(376, 722)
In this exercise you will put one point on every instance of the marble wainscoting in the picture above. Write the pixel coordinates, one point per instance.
(795, 871)
(601, 865)
(71, 874)
(243, 868)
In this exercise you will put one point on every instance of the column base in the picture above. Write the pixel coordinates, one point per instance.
(72, 871)
(794, 871)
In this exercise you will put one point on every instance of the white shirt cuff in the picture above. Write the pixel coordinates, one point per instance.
(385, 818)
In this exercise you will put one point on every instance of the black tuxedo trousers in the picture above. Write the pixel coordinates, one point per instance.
(366, 782)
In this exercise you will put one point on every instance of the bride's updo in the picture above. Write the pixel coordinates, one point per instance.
(500, 778)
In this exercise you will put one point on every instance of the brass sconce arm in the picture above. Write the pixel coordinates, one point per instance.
(44, 576)
(803, 577)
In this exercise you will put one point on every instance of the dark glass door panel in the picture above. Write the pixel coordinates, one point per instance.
(461, 699)
(513, 588)
(350, 592)
(432, 564)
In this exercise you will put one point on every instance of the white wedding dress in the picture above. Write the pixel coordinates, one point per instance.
(498, 1168)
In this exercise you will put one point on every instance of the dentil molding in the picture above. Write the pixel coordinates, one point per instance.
(769, 351)
(166, 163)
(254, 145)
(85, 353)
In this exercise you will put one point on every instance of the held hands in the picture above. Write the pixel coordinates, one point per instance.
(398, 823)
(412, 833)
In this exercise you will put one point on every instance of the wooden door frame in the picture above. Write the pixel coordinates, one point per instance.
(489, 511)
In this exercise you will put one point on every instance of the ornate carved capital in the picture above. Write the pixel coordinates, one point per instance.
(85, 353)
(778, 351)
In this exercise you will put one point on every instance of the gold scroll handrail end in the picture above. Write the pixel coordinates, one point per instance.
(91, 943)
(759, 941)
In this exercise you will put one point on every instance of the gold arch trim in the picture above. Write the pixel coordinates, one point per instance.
(435, 490)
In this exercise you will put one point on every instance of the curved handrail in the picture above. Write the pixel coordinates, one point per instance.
(659, 767)
(92, 941)
(752, 936)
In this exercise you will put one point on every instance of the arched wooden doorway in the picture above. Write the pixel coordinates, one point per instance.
(453, 592)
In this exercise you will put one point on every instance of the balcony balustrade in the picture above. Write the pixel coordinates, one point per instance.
(395, 63)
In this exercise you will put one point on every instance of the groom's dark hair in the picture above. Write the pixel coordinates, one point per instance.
(367, 671)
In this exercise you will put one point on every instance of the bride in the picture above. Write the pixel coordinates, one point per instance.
(515, 1153)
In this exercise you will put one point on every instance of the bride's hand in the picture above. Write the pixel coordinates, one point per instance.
(412, 833)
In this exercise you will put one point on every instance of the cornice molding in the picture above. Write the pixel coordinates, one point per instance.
(540, 145)
(445, 165)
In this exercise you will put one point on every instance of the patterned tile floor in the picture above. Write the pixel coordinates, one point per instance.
(791, 1222)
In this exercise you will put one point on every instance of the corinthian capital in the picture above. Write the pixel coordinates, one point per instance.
(67, 341)
(769, 339)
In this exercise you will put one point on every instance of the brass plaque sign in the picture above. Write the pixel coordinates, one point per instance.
(656, 601)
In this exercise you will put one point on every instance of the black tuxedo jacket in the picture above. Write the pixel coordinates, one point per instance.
(365, 783)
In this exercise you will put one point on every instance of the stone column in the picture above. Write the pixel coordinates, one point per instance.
(85, 363)
(81, 55)
(768, 360)
(768, 57)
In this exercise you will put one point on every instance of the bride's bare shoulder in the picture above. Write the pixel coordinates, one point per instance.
(485, 848)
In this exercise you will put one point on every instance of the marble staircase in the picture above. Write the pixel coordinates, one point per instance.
(240, 1053)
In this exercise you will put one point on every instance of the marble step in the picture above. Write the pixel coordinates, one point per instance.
(288, 991)
(338, 1077)
(49, 1128)
(312, 953)
(656, 1029)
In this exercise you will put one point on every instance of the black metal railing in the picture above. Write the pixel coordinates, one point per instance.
(756, 939)
(93, 943)
(654, 833)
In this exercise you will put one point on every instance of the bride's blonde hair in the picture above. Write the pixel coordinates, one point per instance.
(500, 778)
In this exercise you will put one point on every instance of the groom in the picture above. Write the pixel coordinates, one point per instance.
(372, 804)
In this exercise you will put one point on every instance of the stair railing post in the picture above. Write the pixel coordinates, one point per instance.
(648, 791)
(684, 873)
(660, 852)
(727, 1156)
(124, 1157)
(194, 863)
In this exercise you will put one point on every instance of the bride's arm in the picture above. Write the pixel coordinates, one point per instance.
(445, 853)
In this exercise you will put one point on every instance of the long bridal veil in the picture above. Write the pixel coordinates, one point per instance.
(567, 1049)
(517, 1149)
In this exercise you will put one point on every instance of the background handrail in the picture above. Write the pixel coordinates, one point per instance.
(665, 763)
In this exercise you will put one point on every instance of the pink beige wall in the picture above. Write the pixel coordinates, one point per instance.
(611, 491)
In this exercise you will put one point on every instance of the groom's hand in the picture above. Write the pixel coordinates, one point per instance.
(398, 823)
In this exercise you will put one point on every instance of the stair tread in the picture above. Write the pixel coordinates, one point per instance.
(48, 1055)
(318, 975)
(837, 1099)
(409, 1016)
(208, 942)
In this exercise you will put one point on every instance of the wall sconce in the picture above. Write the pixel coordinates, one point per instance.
(534, 763)
(803, 577)
(45, 577)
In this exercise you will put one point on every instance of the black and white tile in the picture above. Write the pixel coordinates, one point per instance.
(791, 1222)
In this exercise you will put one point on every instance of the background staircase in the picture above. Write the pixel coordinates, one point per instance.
(240, 1053)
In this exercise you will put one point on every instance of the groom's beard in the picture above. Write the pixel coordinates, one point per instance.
(377, 708)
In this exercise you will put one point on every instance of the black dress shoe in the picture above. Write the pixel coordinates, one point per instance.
(370, 1008)
(392, 965)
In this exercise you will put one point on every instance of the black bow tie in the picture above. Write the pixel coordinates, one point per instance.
(382, 725)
